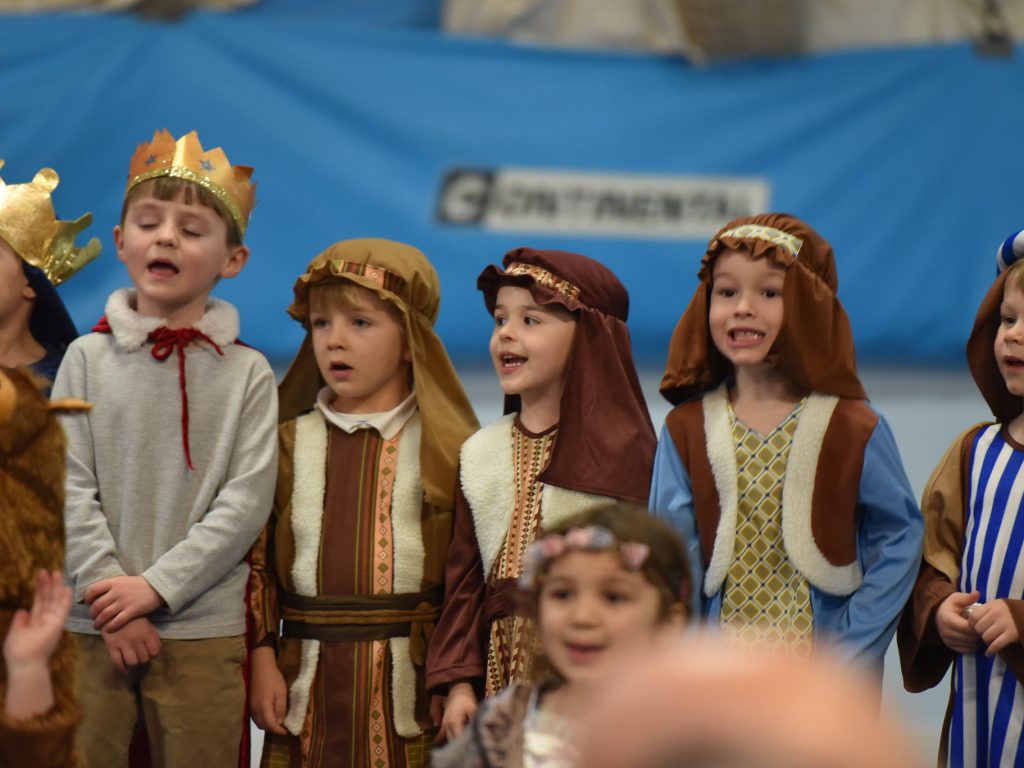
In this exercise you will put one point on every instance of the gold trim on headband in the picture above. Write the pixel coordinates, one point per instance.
(769, 234)
(543, 277)
(178, 172)
(379, 276)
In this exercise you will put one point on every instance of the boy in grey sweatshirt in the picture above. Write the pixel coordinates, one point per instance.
(171, 476)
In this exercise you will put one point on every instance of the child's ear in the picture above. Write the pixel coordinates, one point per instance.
(119, 241)
(236, 260)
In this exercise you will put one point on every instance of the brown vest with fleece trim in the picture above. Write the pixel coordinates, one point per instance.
(833, 497)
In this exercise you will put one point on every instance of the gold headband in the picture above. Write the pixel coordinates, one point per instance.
(543, 277)
(772, 235)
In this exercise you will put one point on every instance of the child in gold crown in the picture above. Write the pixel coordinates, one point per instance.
(170, 477)
(37, 252)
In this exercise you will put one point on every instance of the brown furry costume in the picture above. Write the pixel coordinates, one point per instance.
(32, 537)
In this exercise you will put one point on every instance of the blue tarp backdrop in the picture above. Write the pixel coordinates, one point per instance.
(908, 161)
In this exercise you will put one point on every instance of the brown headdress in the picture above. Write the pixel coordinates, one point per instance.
(981, 356)
(606, 441)
(402, 275)
(815, 344)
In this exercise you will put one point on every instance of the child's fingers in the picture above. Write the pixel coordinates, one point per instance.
(1000, 641)
(112, 619)
(280, 705)
(95, 590)
(151, 642)
(129, 656)
(20, 620)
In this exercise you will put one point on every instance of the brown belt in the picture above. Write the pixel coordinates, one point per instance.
(363, 617)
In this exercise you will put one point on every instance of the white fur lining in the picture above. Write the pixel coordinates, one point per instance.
(131, 329)
(487, 482)
(311, 442)
(485, 468)
(797, 499)
(797, 495)
(310, 483)
(559, 504)
(722, 457)
(409, 556)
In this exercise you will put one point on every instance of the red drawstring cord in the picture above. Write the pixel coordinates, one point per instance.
(165, 342)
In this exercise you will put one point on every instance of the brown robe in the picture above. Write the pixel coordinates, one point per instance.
(351, 699)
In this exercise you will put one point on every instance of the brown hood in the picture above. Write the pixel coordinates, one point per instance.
(981, 356)
(606, 441)
(815, 344)
(402, 275)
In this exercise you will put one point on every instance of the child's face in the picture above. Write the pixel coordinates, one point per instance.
(361, 352)
(1009, 346)
(746, 307)
(530, 345)
(593, 613)
(175, 252)
(15, 292)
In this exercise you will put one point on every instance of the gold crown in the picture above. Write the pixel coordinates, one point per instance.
(30, 226)
(184, 158)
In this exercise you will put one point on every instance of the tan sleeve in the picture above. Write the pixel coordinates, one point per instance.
(942, 505)
(924, 658)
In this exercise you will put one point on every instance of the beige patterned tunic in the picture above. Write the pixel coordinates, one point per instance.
(510, 650)
(766, 600)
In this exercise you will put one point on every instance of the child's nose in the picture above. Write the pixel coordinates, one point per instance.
(584, 611)
(744, 304)
(166, 233)
(338, 338)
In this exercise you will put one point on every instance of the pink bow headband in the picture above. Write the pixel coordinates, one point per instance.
(593, 538)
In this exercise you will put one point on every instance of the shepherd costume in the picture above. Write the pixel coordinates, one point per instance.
(353, 557)
(810, 531)
(513, 482)
(46, 247)
(32, 535)
(972, 507)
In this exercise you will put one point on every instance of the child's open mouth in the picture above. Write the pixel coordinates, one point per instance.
(340, 370)
(583, 654)
(1014, 364)
(162, 268)
(744, 334)
(510, 362)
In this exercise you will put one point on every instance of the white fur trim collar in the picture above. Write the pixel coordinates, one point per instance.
(308, 493)
(131, 329)
(487, 483)
(797, 495)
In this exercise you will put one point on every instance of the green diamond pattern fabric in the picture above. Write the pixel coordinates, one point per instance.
(766, 601)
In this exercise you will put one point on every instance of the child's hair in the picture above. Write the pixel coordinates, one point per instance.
(344, 295)
(1015, 275)
(664, 565)
(170, 187)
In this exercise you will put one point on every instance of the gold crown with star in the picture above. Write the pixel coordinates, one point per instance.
(185, 158)
(30, 226)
